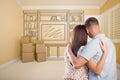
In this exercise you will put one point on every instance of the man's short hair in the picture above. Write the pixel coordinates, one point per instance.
(91, 21)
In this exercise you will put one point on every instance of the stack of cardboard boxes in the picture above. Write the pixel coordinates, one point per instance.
(40, 51)
(27, 49)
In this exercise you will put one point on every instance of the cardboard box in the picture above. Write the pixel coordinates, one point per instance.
(26, 39)
(27, 48)
(27, 57)
(40, 57)
(40, 48)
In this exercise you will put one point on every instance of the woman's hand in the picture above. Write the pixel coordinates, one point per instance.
(103, 45)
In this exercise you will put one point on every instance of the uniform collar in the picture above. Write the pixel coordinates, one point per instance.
(99, 35)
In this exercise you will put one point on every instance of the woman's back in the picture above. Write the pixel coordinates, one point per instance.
(70, 72)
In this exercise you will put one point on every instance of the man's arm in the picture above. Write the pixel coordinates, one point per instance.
(77, 62)
(98, 67)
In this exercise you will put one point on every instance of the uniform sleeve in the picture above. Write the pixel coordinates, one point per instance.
(89, 51)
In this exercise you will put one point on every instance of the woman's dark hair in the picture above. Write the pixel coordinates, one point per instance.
(79, 38)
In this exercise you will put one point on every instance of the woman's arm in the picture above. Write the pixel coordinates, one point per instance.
(97, 68)
(77, 62)
(67, 58)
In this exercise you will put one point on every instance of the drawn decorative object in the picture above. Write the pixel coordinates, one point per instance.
(30, 24)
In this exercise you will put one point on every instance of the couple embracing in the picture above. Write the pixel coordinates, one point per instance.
(95, 60)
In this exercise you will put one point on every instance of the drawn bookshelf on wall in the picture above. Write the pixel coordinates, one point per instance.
(31, 24)
(35, 22)
(75, 18)
(52, 26)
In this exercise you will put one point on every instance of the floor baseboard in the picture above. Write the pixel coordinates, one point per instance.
(9, 63)
(55, 58)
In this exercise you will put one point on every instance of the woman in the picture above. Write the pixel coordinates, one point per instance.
(78, 41)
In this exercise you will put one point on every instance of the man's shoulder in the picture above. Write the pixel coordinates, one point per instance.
(93, 42)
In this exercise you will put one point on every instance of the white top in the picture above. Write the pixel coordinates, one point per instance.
(71, 72)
